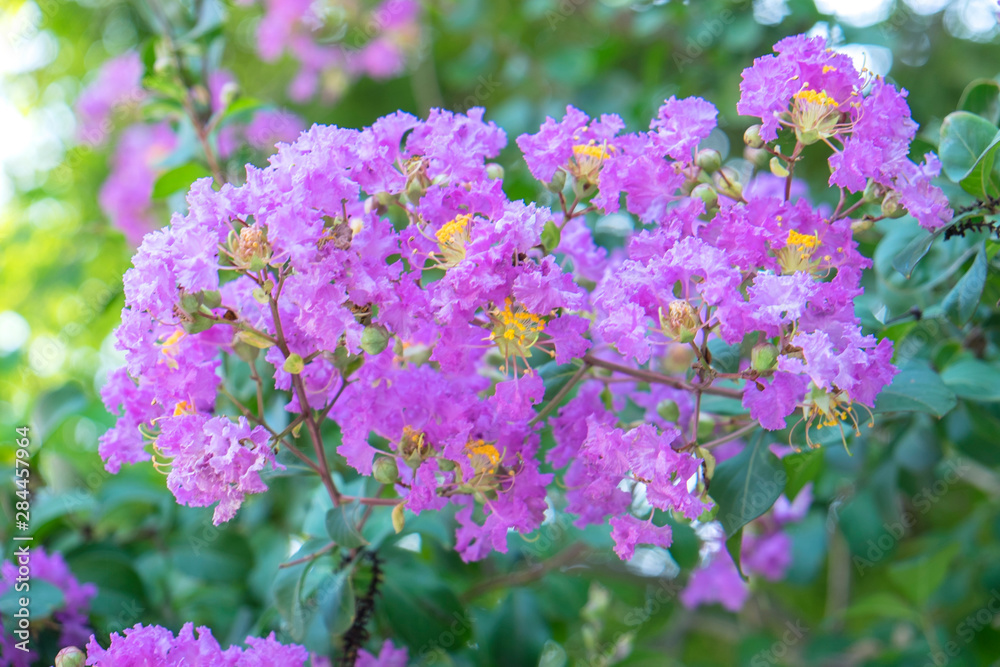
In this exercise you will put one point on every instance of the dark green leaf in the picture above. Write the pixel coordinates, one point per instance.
(981, 180)
(178, 178)
(341, 525)
(973, 380)
(801, 468)
(908, 257)
(335, 599)
(963, 299)
(918, 577)
(746, 485)
(982, 97)
(734, 546)
(916, 388)
(518, 632)
(964, 137)
(882, 606)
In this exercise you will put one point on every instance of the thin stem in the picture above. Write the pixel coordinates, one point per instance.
(522, 577)
(381, 502)
(561, 394)
(659, 378)
(730, 436)
(313, 556)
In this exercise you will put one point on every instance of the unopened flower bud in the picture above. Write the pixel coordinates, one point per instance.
(494, 171)
(446, 465)
(413, 446)
(727, 182)
(763, 357)
(557, 183)
(375, 338)
(708, 159)
(891, 206)
(415, 190)
(874, 192)
(385, 470)
(70, 656)
(707, 194)
(669, 411)
(752, 137)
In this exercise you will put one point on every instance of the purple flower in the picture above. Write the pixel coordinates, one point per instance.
(125, 197)
(627, 531)
(70, 617)
(681, 124)
(152, 644)
(716, 582)
(117, 83)
(388, 656)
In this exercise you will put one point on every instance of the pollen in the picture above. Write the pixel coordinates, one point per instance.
(591, 151)
(798, 239)
(453, 230)
(815, 97)
(170, 345)
(587, 161)
(184, 408)
(483, 457)
(517, 325)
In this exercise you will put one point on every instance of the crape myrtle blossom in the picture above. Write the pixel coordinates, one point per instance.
(378, 45)
(118, 82)
(818, 93)
(383, 279)
(152, 644)
(126, 195)
(70, 616)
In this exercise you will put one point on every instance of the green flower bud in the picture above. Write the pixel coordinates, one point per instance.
(707, 194)
(874, 192)
(70, 656)
(446, 465)
(891, 206)
(385, 470)
(727, 182)
(752, 137)
(294, 364)
(375, 338)
(557, 183)
(669, 411)
(708, 159)
(494, 171)
(763, 357)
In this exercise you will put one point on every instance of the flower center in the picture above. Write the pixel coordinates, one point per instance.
(515, 329)
(814, 115)
(483, 457)
(588, 159)
(681, 322)
(797, 255)
(452, 239)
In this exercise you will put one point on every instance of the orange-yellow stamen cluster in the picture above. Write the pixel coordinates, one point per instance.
(452, 238)
(814, 115)
(815, 97)
(588, 159)
(483, 457)
(184, 408)
(515, 329)
(797, 255)
(170, 345)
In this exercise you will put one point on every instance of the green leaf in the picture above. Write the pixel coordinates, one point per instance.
(518, 632)
(964, 137)
(801, 468)
(746, 485)
(420, 607)
(908, 257)
(963, 299)
(54, 407)
(918, 577)
(981, 179)
(341, 526)
(882, 606)
(734, 546)
(973, 379)
(917, 388)
(982, 97)
(335, 599)
(44, 598)
(551, 235)
(178, 178)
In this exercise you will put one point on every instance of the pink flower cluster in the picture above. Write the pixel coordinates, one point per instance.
(390, 284)
(70, 616)
(377, 45)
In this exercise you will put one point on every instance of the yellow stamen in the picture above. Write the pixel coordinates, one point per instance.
(184, 408)
(815, 97)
